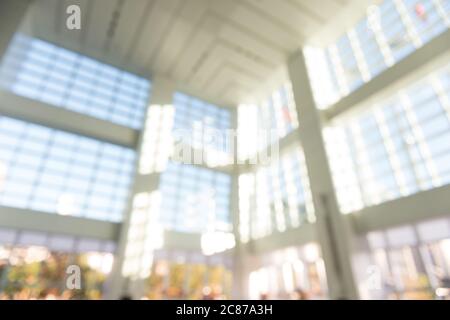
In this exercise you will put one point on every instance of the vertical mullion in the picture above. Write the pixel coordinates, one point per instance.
(360, 156)
(390, 149)
(408, 23)
(89, 189)
(420, 139)
(442, 12)
(44, 158)
(441, 94)
(359, 55)
(339, 70)
(380, 37)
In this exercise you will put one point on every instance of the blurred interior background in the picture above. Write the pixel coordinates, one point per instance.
(209, 149)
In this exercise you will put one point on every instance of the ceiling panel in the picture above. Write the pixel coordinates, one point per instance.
(129, 26)
(193, 56)
(233, 34)
(264, 27)
(325, 9)
(101, 22)
(182, 30)
(281, 14)
(160, 22)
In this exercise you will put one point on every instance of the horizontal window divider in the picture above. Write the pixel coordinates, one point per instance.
(406, 210)
(58, 118)
(31, 220)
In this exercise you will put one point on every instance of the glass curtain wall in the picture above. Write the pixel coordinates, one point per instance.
(387, 34)
(394, 148)
(44, 72)
(409, 262)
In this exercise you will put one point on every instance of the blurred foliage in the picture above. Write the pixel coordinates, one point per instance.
(39, 279)
(171, 280)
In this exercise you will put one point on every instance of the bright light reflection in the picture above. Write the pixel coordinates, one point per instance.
(216, 242)
(66, 205)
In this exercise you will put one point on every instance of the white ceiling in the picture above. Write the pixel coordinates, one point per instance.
(221, 50)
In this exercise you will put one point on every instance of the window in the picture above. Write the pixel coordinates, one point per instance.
(392, 26)
(203, 126)
(275, 198)
(156, 139)
(41, 71)
(260, 125)
(397, 148)
(415, 256)
(387, 34)
(429, 17)
(350, 68)
(195, 199)
(57, 172)
(370, 47)
(281, 272)
(190, 132)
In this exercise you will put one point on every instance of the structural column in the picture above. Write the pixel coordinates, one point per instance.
(161, 95)
(11, 15)
(239, 268)
(332, 229)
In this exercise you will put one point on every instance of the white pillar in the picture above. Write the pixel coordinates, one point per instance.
(239, 288)
(161, 94)
(11, 14)
(333, 233)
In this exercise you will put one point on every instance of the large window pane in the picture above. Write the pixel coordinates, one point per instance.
(58, 172)
(395, 148)
(39, 70)
(387, 34)
(195, 199)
